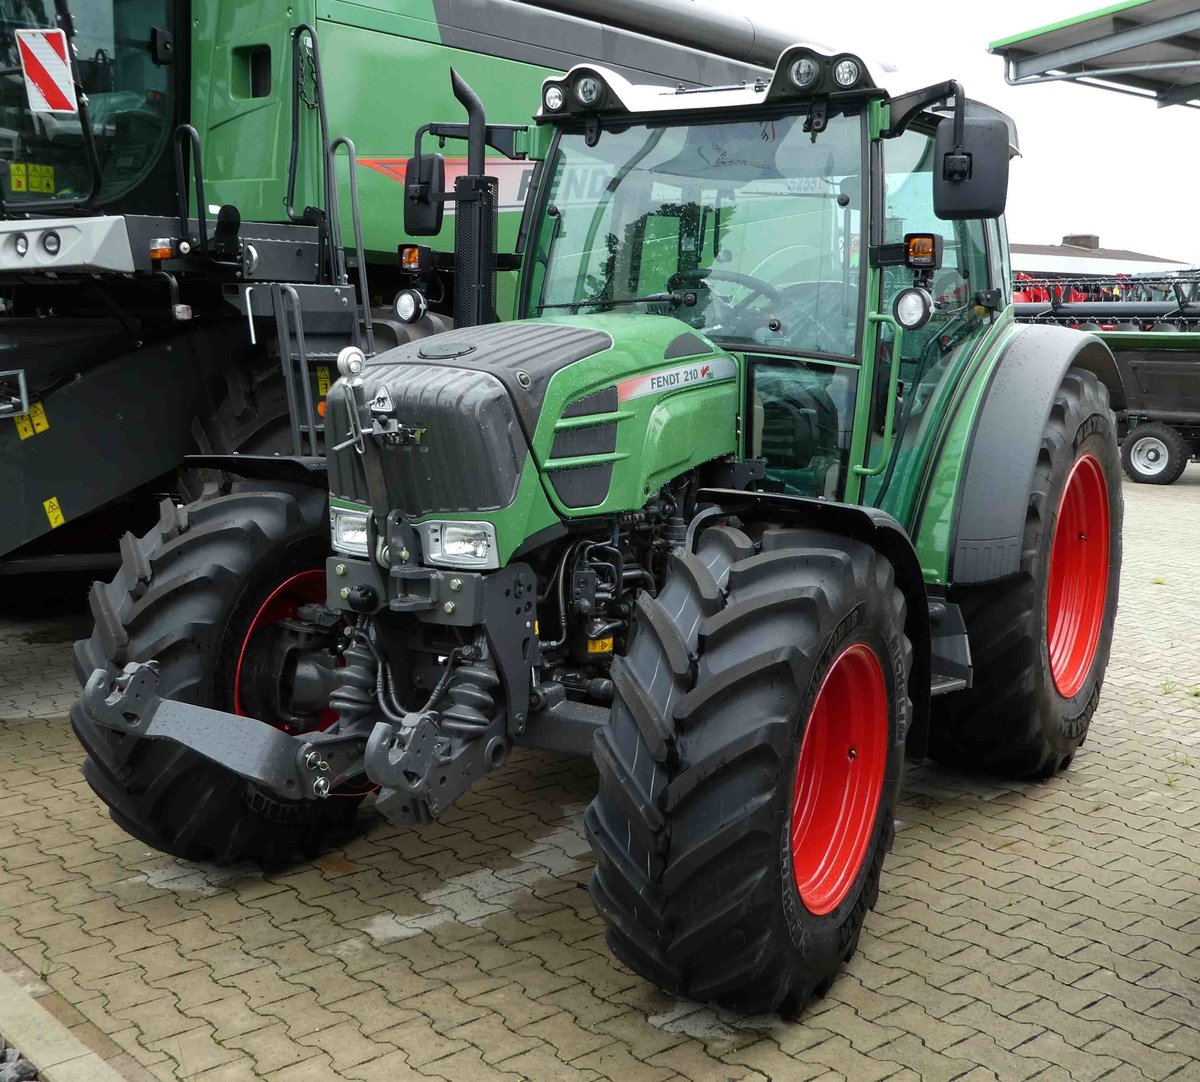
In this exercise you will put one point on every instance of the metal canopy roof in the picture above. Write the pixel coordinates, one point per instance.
(1149, 48)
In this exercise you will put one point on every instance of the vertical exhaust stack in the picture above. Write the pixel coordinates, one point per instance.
(475, 198)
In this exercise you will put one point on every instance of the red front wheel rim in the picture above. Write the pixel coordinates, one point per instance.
(1077, 588)
(839, 779)
(304, 588)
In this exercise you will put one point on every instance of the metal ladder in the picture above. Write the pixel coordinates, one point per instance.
(315, 322)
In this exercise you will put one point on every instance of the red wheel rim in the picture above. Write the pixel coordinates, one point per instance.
(1078, 583)
(839, 779)
(282, 603)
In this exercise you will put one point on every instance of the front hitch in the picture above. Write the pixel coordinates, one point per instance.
(306, 767)
(422, 768)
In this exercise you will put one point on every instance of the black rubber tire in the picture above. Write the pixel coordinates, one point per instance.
(1178, 454)
(1013, 722)
(691, 822)
(185, 596)
(251, 417)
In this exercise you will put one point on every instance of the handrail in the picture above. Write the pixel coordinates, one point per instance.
(337, 257)
(356, 219)
(182, 195)
(889, 414)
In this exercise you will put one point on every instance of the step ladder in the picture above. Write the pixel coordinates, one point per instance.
(313, 324)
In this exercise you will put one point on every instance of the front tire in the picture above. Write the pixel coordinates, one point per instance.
(749, 774)
(1154, 454)
(189, 595)
(1040, 640)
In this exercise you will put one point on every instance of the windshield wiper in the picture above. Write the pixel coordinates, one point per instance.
(676, 298)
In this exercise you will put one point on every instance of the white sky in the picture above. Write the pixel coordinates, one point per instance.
(1092, 161)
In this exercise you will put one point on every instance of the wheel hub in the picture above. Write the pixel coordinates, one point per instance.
(1149, 455)
(839, 779)
(1077, 588)
(285, 668)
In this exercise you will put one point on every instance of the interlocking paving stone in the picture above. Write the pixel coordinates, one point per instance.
(1024, 931)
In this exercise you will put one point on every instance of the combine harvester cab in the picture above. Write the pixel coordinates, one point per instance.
(765, 491)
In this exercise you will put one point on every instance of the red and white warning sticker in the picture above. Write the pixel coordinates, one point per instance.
(678, 378)
(46, 65)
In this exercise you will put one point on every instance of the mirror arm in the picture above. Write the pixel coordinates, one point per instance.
(909, 105)
(502, 138)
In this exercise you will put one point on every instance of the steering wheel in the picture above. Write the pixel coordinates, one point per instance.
(758, 287)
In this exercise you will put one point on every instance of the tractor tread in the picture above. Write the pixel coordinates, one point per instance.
(169, 602)
(694, 904)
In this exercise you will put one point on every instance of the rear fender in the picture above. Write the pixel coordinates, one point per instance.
(882, 532)
(993, 494)
(295, 469)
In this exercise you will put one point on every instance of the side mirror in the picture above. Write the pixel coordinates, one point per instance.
(424, 182)
(970, 181)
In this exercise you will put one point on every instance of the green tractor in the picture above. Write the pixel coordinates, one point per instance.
(766, 493)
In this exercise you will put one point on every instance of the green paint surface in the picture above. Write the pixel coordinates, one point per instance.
(385, 73)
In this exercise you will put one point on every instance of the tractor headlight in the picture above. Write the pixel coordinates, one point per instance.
(847, 72)
(21, 245)
(912, 308)
(348, 530)
(587, 90)
(410, 305)
(460, 544)
(804, 72)
(554, 99)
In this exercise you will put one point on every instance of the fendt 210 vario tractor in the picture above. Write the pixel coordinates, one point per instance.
(765, 493)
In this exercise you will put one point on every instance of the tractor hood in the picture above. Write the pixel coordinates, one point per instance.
(603, 409)
(465, 405)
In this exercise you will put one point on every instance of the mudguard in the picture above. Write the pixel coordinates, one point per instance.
(878, 529)
(993, 494)
(300, 470)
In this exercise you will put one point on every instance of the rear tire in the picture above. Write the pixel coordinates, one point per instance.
(697, 876)
(251, 418)
(1015, 720)
(1154, 454)
(185, 597)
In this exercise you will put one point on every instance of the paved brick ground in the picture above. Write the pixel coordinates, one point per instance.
(1030, 931)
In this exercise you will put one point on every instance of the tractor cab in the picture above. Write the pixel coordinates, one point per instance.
(843, 244)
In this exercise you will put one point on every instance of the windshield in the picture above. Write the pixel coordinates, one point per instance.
(127, 102)
(746, 229)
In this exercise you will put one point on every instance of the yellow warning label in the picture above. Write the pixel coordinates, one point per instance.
(54, 512)
(28, 177)
(33, 422)
(600, 646)
(322, 379)
(41, 179)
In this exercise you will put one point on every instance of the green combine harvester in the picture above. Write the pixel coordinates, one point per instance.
(172, 189)
(764, 493)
